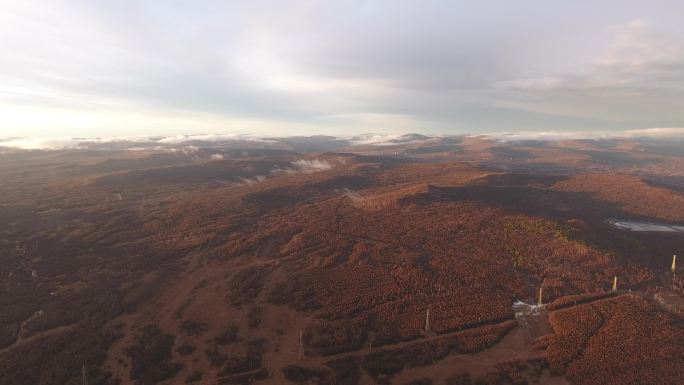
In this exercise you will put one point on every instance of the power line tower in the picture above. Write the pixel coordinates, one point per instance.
(615, 283)
(674, 263)
(85, 375)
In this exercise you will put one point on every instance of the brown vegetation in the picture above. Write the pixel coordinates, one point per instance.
(171, 267)
(631, 193)
(622, 340)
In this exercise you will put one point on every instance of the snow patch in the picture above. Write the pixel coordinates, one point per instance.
(523, 309)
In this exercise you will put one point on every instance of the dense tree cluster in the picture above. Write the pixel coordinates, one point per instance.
(510, 372)
(391, 361)
(373, 278)
(575, 299)
(621, 340)
(631, 192)
(247, 284)
(339, 372)
(151, 357)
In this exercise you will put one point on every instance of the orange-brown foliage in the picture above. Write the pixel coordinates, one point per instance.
(622, 340)
(630, 192)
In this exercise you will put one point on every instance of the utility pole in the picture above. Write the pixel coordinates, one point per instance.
(674, 263)
(301, 345)
(615, 284)
(541, 291)
(427, 320)
(85, 376)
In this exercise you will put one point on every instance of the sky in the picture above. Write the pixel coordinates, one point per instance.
(276, 67)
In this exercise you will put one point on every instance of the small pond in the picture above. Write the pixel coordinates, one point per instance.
(644, 226)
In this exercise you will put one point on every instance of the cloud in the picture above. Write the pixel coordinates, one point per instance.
(315, 67)
(59, 143)
(634, 79)
(39, 143)
(665, 132)
(389, 139)
(309, 166)
(656, 133)
(178, 142)
(537, 84)
(184, 143)
(636, 56)
(376, 139)
(304, 166)
(252, 181)
(188, 138)
(636, 45)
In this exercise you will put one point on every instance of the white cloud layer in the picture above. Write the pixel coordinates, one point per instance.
(656, 133)
(304, 165)
(130, 142)
(184, 143)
